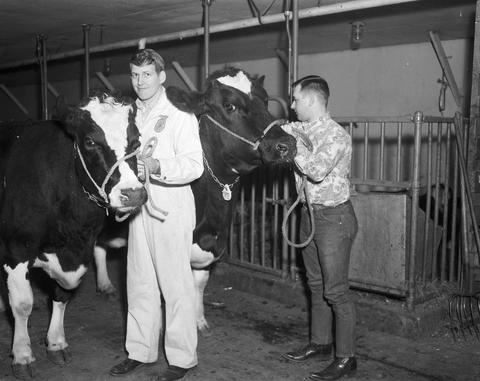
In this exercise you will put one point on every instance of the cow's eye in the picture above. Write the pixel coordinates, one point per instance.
(229, 107)
(89, 142)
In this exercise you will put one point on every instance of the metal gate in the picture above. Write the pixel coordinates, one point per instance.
(405, 190)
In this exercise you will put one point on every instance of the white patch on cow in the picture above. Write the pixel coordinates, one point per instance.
(200, 258)
(112, 118)
(67, 279)
(20, 296)
(56, 332)
(239, 82)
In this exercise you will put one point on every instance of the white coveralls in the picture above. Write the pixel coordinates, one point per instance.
(159, 251)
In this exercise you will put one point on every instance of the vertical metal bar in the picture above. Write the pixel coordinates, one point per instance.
(285, 264)
(242, 222)
(382, 150)
(418, 117)
(231, 235)
(86, 45)
(254, 179)
(399, 151)
(295, 40)
(428, 249)
(206, 37)
(453, 241)
(44, 77)
(293, 228)
(365, 151)
(436, 198)
(275, 219)
(264, 219)
(446, 205)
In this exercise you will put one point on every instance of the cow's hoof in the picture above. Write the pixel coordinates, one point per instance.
(23, 371)
(60, 357)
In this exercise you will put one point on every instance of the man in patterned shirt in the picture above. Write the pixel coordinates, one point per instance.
(324, 151)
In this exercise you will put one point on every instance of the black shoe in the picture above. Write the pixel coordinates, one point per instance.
(127, 366)
(172, 373)
(341, 366)
(323, 351)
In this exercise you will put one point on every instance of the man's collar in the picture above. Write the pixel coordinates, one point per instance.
(324, 118)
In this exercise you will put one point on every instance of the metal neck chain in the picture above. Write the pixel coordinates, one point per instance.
(215, 178)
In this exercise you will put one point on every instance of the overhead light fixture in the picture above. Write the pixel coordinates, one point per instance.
(356, 37)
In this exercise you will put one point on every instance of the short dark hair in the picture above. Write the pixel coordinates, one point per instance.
(148, 57)
(315, 83)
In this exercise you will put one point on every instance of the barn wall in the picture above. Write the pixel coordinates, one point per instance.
(385, 81)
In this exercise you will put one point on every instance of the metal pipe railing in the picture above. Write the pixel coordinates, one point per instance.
(418, 118)
(324, 10)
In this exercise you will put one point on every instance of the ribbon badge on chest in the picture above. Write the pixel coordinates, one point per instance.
(161, 122)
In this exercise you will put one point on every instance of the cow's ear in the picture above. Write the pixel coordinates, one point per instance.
(74, 118)
(259, 81)
(188, 101)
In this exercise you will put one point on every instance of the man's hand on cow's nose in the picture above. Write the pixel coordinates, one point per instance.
(147, 163)
(303, 137)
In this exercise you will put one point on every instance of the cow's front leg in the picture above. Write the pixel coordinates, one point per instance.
(57, 347)
(104, 285)
(20, 297)
(200, 278)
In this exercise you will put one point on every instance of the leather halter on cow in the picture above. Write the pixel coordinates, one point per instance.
(238, 134)
(52, 206)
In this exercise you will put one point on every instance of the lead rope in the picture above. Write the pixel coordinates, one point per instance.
(147, 152)
(153, 209)
(303, 188)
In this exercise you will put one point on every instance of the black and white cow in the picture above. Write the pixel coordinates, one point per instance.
(57, 179)
(238, 134)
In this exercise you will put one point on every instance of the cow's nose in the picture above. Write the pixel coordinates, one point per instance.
(282, 149)
(134, 197)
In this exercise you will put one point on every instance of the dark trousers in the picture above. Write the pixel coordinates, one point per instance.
(327, 259)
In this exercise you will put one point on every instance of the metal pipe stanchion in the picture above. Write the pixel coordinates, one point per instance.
(295, 41)
(86, 45)
(206, 37)
(418, 120)
(42, 62)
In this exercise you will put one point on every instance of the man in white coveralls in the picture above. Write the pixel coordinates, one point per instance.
(159, 246)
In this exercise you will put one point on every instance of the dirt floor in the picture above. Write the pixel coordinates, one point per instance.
(247, 337)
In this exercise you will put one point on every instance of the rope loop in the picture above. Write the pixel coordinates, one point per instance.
(303, 188)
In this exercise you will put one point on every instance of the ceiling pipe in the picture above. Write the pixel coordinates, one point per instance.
(323, 10)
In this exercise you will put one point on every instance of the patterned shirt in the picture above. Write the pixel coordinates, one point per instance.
(326, 164)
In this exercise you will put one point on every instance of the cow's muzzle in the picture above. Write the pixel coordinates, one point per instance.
(133, 198)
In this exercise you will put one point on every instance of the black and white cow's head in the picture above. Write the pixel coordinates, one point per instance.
(106, 139)
(234, 117)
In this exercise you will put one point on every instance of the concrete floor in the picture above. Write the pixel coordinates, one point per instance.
(247, 337)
